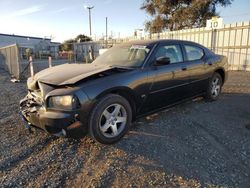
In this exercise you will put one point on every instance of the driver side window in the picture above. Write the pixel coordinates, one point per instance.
(173, 52)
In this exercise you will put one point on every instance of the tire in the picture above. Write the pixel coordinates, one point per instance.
(110, 119)
(214, 87)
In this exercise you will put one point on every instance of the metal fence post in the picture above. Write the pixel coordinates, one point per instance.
(50, 61)
(235, 38)
(31, 66)
(228, 50)
(241, 37)
(18, 57)
(248, 33)
(213, 39)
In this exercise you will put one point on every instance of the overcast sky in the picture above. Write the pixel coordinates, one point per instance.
(64, 19)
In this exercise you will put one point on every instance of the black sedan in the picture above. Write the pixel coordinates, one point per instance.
(126, 82)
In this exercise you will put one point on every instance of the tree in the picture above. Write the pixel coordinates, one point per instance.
(180, 14)
(82, 38)
(68, 44)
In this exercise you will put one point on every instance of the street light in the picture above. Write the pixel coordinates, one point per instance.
(89, 8)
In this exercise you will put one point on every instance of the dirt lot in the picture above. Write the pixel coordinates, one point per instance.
(196, 144)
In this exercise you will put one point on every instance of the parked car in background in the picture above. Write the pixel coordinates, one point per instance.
(126, 82)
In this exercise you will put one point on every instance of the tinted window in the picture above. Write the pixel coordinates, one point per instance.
(171, 51)
(193, 52)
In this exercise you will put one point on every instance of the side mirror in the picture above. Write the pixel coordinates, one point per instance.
(160, 61)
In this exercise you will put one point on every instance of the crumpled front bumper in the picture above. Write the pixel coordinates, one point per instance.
(54, 122)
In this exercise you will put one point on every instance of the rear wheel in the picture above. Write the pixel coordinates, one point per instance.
(214, 87)
(110, 119)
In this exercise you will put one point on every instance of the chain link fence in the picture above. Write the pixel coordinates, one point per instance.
(233, 41)
(10, 60)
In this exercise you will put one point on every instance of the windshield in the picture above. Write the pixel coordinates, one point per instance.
(125, 56)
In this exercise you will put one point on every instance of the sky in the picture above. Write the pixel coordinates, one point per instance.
(65, 19)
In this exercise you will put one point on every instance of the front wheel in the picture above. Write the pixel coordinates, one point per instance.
(214, 87)
(110, 119)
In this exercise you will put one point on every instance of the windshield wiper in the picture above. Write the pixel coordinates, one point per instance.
(124, 67)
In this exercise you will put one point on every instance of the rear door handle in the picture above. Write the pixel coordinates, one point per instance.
(210, 63)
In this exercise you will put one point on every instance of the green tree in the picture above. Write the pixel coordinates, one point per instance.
(68, 44)
(83, 38)
(180, 14)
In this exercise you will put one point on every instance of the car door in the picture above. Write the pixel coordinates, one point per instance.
(169, 82)
(194, 57)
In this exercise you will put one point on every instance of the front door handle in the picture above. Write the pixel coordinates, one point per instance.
(184, 68)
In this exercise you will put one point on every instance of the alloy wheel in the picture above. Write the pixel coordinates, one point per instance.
(216, 87)
(113, 120)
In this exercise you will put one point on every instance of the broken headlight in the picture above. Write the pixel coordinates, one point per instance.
(67, 102)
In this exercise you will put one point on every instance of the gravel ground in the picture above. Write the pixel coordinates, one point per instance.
(196, 144)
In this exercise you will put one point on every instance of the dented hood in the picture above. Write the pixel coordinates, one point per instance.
(68, 73)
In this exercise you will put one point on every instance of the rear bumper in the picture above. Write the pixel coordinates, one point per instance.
(53, 122)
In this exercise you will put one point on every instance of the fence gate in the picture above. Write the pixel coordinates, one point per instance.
(10, 60)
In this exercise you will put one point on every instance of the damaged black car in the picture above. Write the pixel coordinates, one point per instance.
(126, 82)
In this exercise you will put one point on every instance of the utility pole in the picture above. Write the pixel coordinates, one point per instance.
(89, 8)
(106, 32)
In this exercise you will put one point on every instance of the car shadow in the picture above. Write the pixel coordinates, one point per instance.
(199, 141)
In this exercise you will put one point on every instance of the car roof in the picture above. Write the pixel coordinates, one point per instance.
(158, 41)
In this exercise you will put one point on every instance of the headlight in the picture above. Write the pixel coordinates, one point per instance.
(67, 102)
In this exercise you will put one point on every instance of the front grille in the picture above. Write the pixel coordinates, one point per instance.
(31, 103)
(36, 97)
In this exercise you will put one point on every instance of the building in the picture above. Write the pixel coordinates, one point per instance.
(40, 47)
(139, 34)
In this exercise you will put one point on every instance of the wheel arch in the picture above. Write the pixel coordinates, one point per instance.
(221, 71)
(125, 92)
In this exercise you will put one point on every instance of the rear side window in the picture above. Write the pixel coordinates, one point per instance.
(171, 51)
(193, 52)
